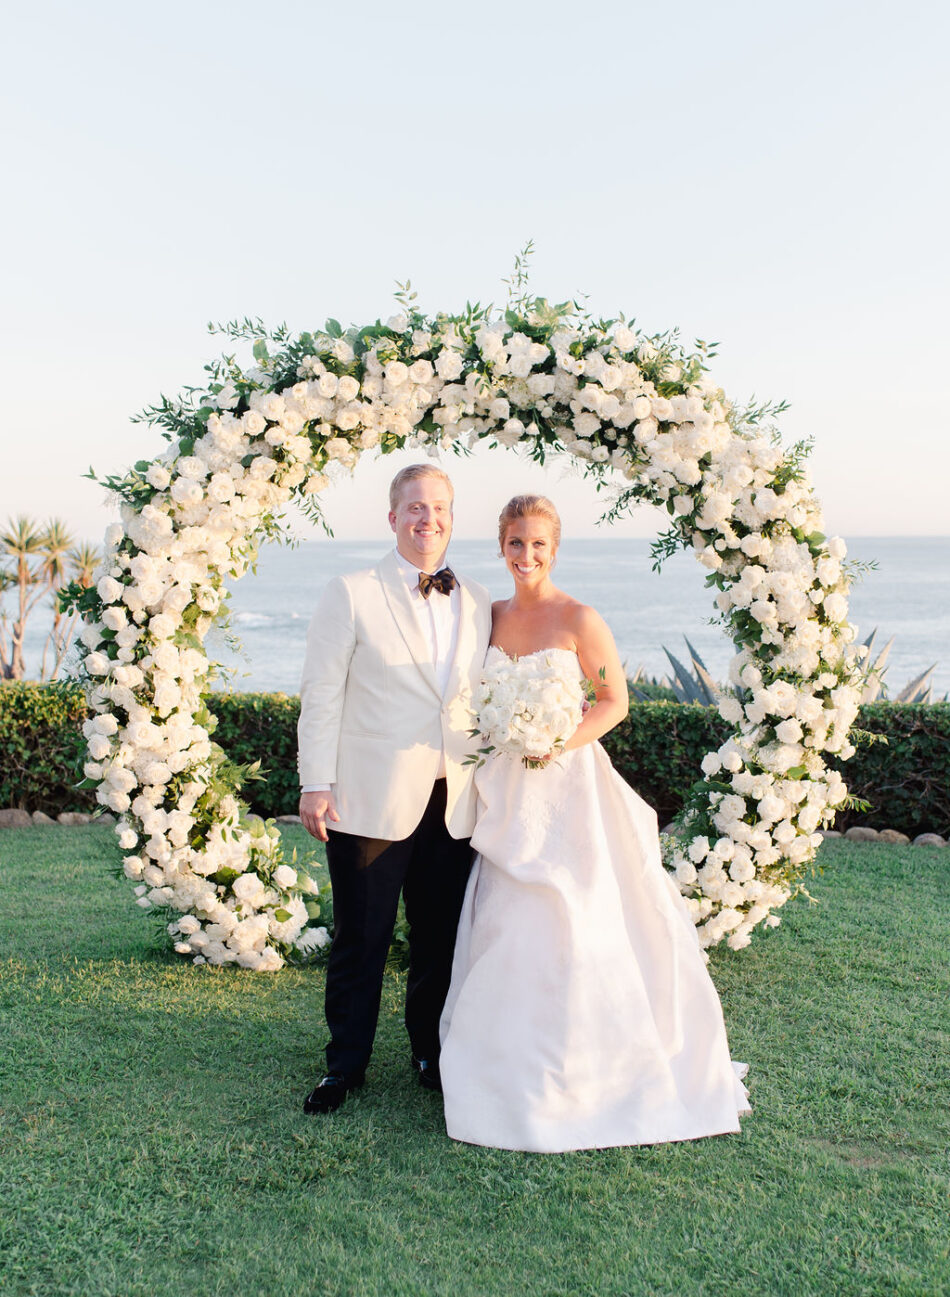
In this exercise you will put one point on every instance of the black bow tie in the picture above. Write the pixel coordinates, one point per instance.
(443, 581)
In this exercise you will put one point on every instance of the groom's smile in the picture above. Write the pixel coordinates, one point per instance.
(422, 521)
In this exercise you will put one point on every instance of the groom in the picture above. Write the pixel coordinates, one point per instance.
(393, 654)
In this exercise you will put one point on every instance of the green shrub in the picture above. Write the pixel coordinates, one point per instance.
(42, 747)
(657, 749)
(906, 779)
(262, 727)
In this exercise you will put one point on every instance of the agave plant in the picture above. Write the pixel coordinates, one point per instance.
(918, 690)
(694, 684)
(682, 685)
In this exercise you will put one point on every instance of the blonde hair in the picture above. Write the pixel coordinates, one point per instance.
(529, 506)
(409, 474)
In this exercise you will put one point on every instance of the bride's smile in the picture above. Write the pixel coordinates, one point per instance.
(529, 550)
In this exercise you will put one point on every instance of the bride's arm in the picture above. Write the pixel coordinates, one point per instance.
(601, 664)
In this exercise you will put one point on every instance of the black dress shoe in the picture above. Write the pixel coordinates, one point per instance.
(329, 1093)
(429, 1076)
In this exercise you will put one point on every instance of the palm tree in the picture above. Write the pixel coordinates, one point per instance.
(52, 569)
(21, 540)
(40, 561)
(80, 564)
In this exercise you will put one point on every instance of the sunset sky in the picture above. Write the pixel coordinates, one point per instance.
(773, 177)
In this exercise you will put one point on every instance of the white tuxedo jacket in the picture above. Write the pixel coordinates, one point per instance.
(373, 723)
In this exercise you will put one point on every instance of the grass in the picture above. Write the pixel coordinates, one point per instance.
(151, 1138)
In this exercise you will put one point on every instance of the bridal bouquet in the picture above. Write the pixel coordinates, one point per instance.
(526, 707)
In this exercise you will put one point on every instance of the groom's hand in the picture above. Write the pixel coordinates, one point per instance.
(315, 810)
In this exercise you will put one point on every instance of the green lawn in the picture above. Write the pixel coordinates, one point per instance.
(153, 1142)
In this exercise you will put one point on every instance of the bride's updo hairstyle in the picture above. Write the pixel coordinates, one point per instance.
(529, 506)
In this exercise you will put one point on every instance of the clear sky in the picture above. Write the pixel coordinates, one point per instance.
(771, 176)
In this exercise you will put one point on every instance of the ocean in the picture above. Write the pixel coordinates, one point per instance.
(907, 596)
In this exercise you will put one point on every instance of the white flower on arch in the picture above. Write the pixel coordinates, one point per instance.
(546, 380)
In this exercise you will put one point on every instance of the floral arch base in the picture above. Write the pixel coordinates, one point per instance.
(542, 378)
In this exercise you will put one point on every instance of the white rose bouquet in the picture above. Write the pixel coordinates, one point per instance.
(527, 707)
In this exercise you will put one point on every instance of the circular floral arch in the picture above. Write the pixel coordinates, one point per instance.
(540, 377)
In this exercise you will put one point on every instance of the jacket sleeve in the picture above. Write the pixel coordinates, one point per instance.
(331, 640)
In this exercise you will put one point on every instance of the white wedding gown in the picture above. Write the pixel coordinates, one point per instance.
(580, 1013)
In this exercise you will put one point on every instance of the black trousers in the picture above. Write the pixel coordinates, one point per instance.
(431, 869)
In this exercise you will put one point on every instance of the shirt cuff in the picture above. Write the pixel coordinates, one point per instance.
(316, 788)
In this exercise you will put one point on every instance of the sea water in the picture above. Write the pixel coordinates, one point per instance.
(907, 596)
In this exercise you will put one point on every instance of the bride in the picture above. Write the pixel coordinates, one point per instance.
(580, 1013)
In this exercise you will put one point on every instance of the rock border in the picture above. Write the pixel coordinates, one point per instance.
(14, 817)
(864, 833)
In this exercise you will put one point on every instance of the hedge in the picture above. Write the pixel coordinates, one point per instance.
(42, 748)
(657, 749)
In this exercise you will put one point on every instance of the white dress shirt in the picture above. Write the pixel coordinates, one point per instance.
(439, 619)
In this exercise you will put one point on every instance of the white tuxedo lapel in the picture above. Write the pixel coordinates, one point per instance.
(466, 646)
(399, 599)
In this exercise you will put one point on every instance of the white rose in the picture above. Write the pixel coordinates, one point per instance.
(99, 748)
(186, 491)
(449, 366)
(788, 731)
(828, 570)
(115, 617)
(685, 872)
(284, 876)
(269, 961)
(698, 849)
(730, 709)
(133, 867)
(109, 590)
(191, 466)
(586, 424)
(248, 888)
(158, 476)
(836, 607)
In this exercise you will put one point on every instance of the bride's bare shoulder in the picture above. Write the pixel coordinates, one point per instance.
(582, 619)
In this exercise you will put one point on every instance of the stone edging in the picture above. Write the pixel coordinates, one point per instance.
(860, 833)
(12, 817)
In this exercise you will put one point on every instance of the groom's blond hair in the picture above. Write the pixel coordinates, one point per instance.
(409, 474)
